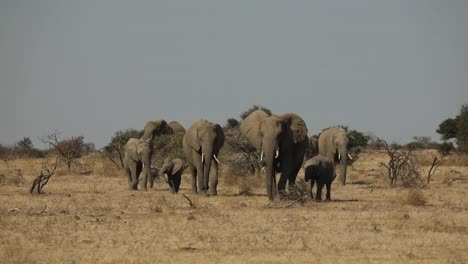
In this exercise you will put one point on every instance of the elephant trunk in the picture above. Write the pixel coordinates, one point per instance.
(271, 152)
(206, 165)
(343, 154)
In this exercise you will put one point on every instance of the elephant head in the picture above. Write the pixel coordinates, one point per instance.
(202, 144)
(334, 141)
(312, 148)
(177, 128)
(282, 141)
(138, 153)
(173, 169)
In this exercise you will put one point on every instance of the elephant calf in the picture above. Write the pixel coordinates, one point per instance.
(173, 169)
(321, 170)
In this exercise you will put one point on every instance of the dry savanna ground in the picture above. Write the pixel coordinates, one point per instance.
(95, 219)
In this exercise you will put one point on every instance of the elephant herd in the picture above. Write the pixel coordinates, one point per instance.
(281, 140)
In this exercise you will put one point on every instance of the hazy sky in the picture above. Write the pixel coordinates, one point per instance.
(396, 68)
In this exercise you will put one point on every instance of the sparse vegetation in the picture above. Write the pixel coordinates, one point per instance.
(456, 128)
(167, 146)
(69, 150)
(253, 109)
(114, 151)
(402, 164)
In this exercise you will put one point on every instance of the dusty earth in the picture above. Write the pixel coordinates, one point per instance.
(94, 219)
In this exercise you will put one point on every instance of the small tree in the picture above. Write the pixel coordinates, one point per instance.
(402, 164)
(456, 128)
(69, 150)
(252, 109)
(448, 129)
(115, 149)
(462, 129)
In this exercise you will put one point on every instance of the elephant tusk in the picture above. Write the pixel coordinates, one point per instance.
(261, 156)
(202, 157)
(349, 156)
(215, 158)
(277, 154)
(339, 156)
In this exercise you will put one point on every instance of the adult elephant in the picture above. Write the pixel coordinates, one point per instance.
(282, 141)
(177, 128)
(138, 153)
(201, 145)
(335, 140)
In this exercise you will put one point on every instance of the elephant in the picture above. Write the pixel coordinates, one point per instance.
(173, 169)
(282, 141)
(138, 153)
(319, 169)
(201, 144)
(335, 140)
(177, 128)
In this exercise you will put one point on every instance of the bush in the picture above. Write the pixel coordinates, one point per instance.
(115, 149)
(167, 146)
(252, 109)
(415, 197)
(25, 148)
(422, 143)
(357, 139)
(242, 159)
(231, 123)
(445, 148)
(5, 152)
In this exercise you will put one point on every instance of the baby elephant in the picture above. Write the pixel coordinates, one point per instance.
(173, 169)
(321, 170)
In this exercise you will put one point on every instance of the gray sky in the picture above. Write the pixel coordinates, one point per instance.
(395, 68)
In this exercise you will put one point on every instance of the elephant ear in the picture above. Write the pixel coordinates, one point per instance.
(220, 138)
(297, 127)
(191, 137)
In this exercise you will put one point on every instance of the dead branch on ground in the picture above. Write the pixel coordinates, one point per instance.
(46, 173)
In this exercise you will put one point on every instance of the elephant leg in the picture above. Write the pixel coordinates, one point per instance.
(292, 179)
(282, 184)
(318, 196)
(328, 191)
(171, 183)
(213, 179)
(134, 175)
(310, 186)
(193, 172)
(177, 179)
(129, 176)
(146, 175)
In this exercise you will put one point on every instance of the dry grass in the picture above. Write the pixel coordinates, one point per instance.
(94, 219)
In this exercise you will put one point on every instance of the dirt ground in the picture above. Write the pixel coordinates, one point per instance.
(95, 219)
